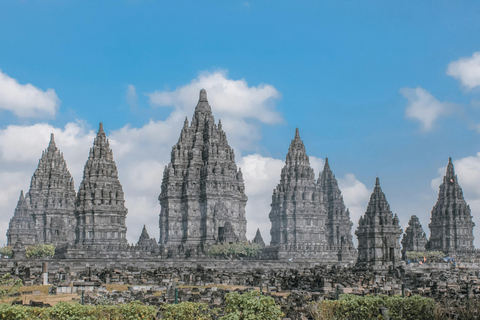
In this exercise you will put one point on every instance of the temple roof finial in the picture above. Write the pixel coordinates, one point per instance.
(203, 102)
(52, 145)
(100, 127)
(450, 170)
(203, 96)
(297, 133)
(377, 182)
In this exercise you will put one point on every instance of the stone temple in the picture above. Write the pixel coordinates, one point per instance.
(414, 238)
(100, 207)
(378, 234)
(45, 214)
(309, 218)
(451, 226)
(203, 194)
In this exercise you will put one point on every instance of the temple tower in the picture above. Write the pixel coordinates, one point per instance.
(338, 223)
(298, 215)
(414, 238)
(22, 225)
(451, 226)
(51, 199)
(100, 206)
(203, 194)
(378, 233)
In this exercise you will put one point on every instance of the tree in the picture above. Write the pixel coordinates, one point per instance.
(250, 306)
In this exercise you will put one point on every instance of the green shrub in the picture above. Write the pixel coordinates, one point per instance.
(6, 251)
(353, 307)
(233, 250)
(187, 311)
(40, 251)
(9, 285)
(250, 306)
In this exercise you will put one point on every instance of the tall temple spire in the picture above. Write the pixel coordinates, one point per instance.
(298, 214)
(378, 233)
(414, 238)
(22, 224)
(338, 223)
(202, 189)
(100, 205)
(258, 239)
(50, 199)
(451, 226)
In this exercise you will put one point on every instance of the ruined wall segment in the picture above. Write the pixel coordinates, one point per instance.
(50, 202)
(203, 193)
(451, 226)
(100, 205)
(338, 223)
(378, 234)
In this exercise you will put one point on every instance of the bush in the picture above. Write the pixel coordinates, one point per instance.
(6, 251)
(250, 306)
(73, 311)
(233, 250)
(9, 285)
(40, 251)
(187, 311)
(353, 307)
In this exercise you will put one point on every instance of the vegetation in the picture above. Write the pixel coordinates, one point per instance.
(430, 256)
(73, 311)
(188, 311)
(235, 250)
(6, 251)
(353, 307)
(9, 285)
(250, 306)
(40, 251)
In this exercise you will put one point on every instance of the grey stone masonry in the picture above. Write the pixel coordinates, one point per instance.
(203, 194)
(22, 226)
(258, 239)
(51, 199)
(298, 213)
(414, 238)
(100, 206)
(451, 225)
(338, 223)
(145, 239)
(378, 234)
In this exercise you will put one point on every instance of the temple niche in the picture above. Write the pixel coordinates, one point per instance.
(451, 226)
(45, 213)
(378, 234)
(414, 238)
(100, 206)
(203, 194)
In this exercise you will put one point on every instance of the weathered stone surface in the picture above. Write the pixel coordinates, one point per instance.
(258, 239)
(22, 226)
(100, 206)
(338, 223)
(202, 190)
(451, 226)
(50, 202)
(145, 239)
(378, 234)
(414, 238)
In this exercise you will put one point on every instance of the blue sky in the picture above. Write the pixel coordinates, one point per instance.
(342, 71)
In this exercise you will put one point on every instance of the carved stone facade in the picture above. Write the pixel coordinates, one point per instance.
(49, 203)
(414, 238)
(378, 234)
(338, 224)
(451, 226)
(203, 194)
(22, 226)
(145, 239)
(100, 206)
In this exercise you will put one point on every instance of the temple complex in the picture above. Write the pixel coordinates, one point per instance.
(451, 226)
(378, 234)
(100, 206)
(338, 223)
(203, 194)
(46, 212)
(414, 238)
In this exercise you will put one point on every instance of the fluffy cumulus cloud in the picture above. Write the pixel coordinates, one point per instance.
(26, 100)
(468, 173)
(240, 107)
(423, 107)
(466, 70)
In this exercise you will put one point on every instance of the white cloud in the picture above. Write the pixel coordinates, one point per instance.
(240, 107)
(466, 70)
(132, 97)
(26, 100)
(422, 106)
